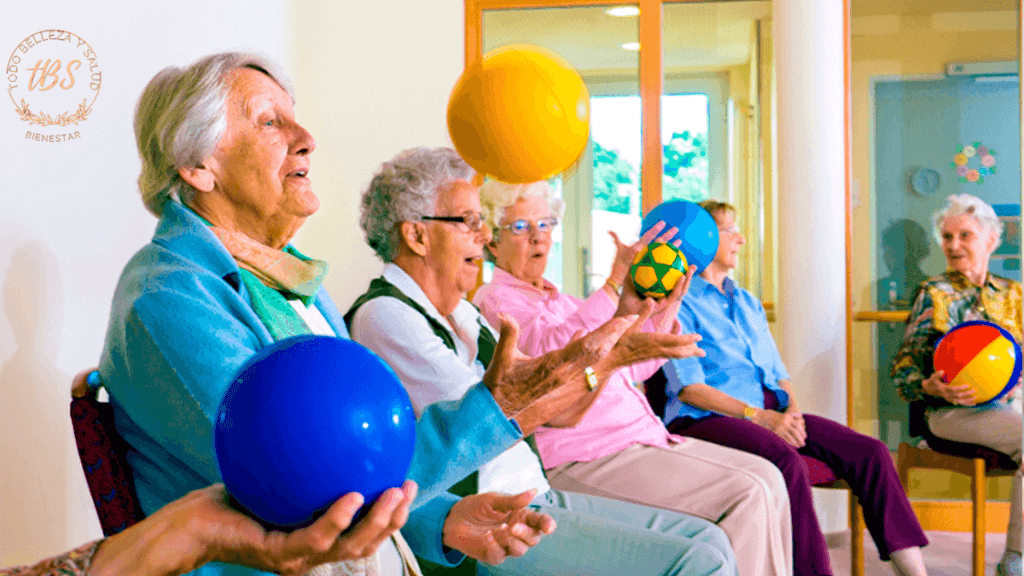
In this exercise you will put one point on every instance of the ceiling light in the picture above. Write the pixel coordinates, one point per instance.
(631, 46)
(623, 11)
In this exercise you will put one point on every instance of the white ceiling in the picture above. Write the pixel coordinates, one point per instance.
(698, 35)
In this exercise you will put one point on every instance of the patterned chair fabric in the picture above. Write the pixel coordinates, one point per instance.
(102, 453)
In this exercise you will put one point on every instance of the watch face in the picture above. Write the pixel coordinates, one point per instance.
(925, 181)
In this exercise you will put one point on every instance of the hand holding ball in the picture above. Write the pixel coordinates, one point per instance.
(308, 420)
(981, 355)
(520, 114)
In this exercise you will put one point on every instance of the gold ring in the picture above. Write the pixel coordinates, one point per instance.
(591, 378)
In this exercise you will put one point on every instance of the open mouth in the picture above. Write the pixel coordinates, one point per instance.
(299, 173)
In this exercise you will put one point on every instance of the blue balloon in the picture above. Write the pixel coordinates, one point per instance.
(308, 420)
(697, 229)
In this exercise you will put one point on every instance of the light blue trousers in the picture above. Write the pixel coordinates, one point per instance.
(600, 536)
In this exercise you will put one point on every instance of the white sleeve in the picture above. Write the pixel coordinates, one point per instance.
(430, 371)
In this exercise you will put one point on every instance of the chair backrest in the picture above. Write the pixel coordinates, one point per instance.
(918, 427)
(654, 389)
(102, 453)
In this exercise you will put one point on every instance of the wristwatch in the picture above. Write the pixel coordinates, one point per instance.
(749, 412)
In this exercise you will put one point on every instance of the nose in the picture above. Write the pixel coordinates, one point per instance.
(485, 234)
(302, 142)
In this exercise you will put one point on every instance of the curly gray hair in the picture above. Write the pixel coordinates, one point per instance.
(959, 204)
(496, 196)
(181, 117)
(404, 189)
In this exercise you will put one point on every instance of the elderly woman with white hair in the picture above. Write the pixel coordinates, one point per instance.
(225, 168)
(612, 444)
(421, 214)
(968, 231)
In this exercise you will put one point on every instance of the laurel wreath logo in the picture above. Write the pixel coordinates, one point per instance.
(43, 119)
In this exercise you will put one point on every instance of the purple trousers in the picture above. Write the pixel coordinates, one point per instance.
(863, 461)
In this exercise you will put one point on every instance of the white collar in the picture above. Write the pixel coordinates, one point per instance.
(465, 314)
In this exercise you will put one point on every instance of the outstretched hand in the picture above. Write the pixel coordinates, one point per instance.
(517, 381)
(491, 527)
(635, 346)
(201, 527)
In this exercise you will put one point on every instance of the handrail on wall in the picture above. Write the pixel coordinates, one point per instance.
(881, 316)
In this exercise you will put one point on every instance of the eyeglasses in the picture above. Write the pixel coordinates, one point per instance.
(732, 230)
(522, 227)
(474, 221)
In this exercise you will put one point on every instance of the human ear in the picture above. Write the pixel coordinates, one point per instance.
(199, 177)
(414, 235)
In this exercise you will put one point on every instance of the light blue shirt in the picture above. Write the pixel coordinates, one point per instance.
(741, 353)
(182, 324)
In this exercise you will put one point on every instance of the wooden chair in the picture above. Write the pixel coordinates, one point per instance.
(102, 453)
(819, 474)
(977, 462)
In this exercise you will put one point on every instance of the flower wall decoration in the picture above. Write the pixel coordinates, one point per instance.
(972, 163)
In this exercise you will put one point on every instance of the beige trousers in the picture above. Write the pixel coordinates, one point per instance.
(742, 493)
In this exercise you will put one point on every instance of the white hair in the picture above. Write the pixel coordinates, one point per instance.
(181, 117)
(959, 204)
(404, 189)
(496, 196)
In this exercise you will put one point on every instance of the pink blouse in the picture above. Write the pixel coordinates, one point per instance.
(621, 416)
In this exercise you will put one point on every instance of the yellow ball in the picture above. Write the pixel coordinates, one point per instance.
(520, 114)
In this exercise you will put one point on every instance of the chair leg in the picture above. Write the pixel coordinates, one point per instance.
(856, 537)
(903, 466)
(978, 486)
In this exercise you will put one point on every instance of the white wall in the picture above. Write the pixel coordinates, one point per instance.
(70, 217)
(372, 79)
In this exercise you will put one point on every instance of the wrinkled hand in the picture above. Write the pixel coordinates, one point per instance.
(517, 381)
(786, 425)
(635, 346)
(936, 385)
(626, 253)
(201, 527)
(491, 527)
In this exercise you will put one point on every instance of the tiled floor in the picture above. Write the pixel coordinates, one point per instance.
(948, 554)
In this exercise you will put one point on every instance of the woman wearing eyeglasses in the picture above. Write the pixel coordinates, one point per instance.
(739, 395)
(610, 443)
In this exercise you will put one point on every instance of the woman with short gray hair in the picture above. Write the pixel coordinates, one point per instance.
(968, 231)
(181, 117)
(958, 204)
(496, 196)
(405, 188)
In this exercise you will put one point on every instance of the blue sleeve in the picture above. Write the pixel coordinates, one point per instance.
(454, 438)
(326, 306)
(170, 368)
(423, 531)
(682, 372)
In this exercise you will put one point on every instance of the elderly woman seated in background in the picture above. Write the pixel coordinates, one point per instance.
(968, 231)
(225, 167)
(614, 445)
(421, 214)
(739, 395)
